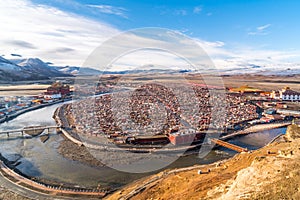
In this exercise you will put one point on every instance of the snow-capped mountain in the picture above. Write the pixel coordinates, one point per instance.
(78, 70)
(277, 70)
(8, 65)
(18, 69)
(26, 69)
(9, 71)
(38, 66)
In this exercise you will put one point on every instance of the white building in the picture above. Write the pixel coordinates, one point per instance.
(286, 94)
(52, 96)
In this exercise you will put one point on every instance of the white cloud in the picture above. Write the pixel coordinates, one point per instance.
(151, 46)
(223, 56)
(255, 60)
(149, 59)
(197, 9)
(66, 39)
(38, 31)
(260, 30)
(110, 10)
(228, 58)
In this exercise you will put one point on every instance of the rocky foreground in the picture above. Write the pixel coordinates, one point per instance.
(268, 173)
(8, 195)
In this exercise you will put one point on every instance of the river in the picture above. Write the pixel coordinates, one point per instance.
(42, 160)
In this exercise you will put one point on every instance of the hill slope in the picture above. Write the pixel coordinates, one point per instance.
(269, 173)
(26, 69)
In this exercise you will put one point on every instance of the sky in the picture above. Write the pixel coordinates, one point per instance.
(233, 33)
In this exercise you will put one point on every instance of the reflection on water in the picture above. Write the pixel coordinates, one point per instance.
(256, 140)
(34, 158)
(259, 139)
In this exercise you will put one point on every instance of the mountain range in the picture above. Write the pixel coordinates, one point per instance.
(26, 69)
(20, 69)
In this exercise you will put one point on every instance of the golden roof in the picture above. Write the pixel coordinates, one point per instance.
(245, 88)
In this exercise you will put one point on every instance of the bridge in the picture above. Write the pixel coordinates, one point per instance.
(27, 130)
(229, 146)
(252, 129)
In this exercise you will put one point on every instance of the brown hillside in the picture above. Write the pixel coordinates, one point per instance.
(269, 173)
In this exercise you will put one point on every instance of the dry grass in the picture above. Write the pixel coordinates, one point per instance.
(22, 90)
(256, 175)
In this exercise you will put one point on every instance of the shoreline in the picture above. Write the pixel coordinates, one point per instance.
(80, 144)
(68, 148)
(48, 187)
(12, 116)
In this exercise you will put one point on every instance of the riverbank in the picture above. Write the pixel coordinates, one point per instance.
(267, 173)
(67, 149)
(76, 153)
(46, 189)
(23, 182)
(9, 117)
(7, 194)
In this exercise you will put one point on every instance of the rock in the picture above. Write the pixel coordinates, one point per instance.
(285, 153)
(292, 132)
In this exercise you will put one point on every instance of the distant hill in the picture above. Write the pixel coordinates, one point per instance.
(78, 70)
(26, 69)
(148, 71)
(90, 71)
(38, 66)
(21, 69)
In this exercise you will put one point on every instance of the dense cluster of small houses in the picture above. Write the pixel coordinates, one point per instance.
(154, 109)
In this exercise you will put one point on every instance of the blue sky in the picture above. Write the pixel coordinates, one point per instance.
(267, 29)
(268, 24)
